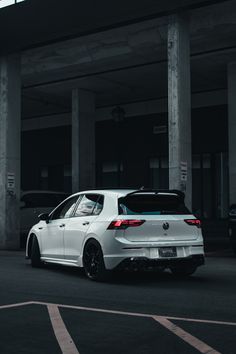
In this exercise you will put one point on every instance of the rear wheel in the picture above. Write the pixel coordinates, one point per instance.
(93, 262)
(35, 254)
(181, 271)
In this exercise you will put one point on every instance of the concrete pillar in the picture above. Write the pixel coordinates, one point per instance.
(179, 106)
(83, 140)
(10, 124)
(232, 131)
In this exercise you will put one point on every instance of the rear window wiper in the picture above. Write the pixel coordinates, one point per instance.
(169, 212)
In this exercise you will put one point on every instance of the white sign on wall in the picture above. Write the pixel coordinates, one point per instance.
(10, 181)
(183, 171)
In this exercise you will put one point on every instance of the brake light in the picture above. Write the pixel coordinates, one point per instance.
(193, 222)
(124, 224)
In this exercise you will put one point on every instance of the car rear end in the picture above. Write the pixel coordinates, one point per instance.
(154, 229)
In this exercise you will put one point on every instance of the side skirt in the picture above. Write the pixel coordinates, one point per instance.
(61, 261)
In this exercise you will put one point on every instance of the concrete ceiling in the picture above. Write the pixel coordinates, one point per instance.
(33, 23)
(127, 64)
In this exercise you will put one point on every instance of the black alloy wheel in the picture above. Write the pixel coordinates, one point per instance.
(93, 262)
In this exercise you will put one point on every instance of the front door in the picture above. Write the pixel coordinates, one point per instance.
(52, 233)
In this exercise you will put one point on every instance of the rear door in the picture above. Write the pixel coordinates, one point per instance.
(164, 216)
(85, 213)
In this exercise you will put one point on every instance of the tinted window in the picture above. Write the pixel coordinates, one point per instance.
(86, 205)
(65, 209)
(99, 205)
(41, 200)
(152, 205)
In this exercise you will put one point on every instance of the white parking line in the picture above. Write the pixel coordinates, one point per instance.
(137, 314)
(187, 337)
(16, 305)
(64, 339)
(201, 321)
(68, 347)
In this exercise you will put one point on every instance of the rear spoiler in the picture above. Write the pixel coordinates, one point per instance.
(177, 192)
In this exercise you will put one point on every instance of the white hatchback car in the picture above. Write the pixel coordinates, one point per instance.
(102, 230)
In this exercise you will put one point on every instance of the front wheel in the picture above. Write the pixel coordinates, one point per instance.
(93, 262)
(35, 254)
(181, 271)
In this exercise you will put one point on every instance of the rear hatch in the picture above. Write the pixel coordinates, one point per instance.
(156, 216)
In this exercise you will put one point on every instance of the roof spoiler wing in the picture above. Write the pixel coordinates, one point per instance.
(177, 192)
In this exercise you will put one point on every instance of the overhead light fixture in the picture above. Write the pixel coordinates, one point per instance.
(118, 114)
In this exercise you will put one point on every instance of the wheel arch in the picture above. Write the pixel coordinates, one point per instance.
(90, 238)
(30, 243)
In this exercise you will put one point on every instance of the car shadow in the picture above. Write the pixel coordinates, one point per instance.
(152, 277)
(130, 277)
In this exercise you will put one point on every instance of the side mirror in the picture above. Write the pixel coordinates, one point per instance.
(44, 217)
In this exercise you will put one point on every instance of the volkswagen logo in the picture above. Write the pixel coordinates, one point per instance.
(165, 226)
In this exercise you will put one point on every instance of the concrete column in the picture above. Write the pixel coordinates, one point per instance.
(179, 106)
(232, 131)
(83, 140)
(10, 124)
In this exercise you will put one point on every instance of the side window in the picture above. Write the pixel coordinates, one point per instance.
(65, 209)
(86, 205)
(99, 205)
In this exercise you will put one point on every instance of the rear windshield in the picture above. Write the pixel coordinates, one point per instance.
(151, 204)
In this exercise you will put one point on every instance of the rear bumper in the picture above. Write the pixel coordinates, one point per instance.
(185, 253)
(145, 263)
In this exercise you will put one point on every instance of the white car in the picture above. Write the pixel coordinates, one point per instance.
(102, 230)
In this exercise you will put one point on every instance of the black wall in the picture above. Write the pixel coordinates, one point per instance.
(131, 141)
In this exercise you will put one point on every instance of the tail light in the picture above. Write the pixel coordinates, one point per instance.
(193, 222)
(124, 224)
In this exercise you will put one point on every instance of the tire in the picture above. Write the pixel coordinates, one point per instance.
(35, 254)
(183, 271)
(93, 262)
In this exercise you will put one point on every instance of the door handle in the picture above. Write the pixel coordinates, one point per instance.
(86, 223)
(62, 225)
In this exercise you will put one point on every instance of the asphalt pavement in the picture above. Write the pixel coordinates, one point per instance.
(56, 309)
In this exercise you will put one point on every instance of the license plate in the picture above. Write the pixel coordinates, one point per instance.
(167, 252)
